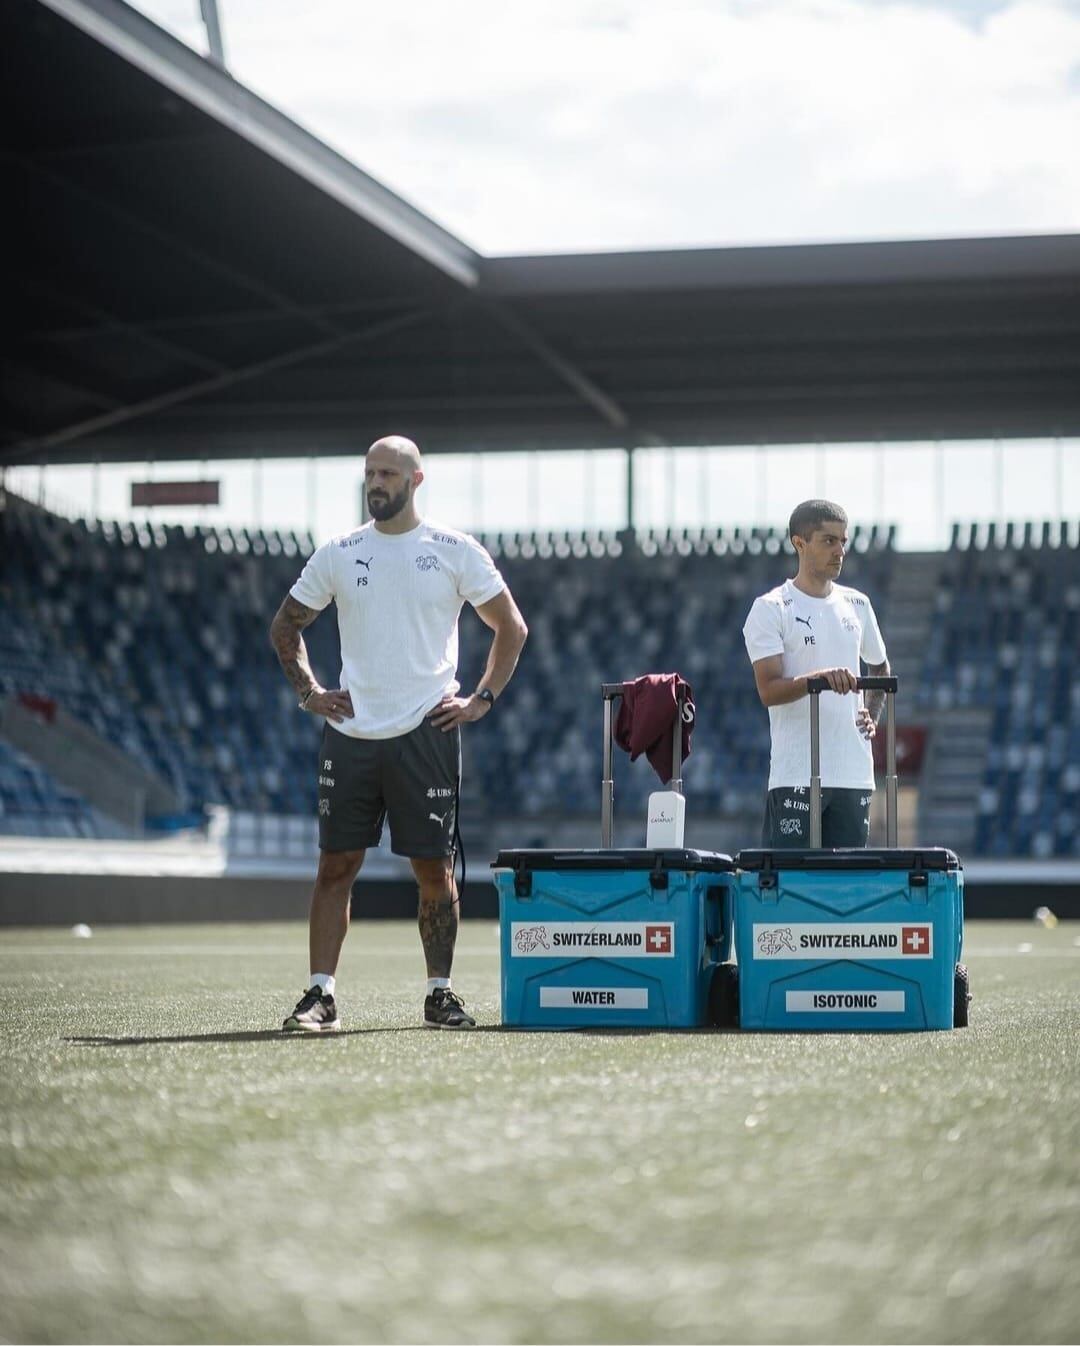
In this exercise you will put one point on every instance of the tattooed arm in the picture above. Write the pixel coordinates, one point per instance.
(870, 711)
(874, 701)
(289, 621)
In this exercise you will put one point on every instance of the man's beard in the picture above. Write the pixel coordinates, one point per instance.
(382, 509)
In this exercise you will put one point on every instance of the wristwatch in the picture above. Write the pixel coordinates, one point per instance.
(486, 695)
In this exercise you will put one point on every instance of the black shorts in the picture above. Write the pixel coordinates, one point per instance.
(845, 818)
(412, 780)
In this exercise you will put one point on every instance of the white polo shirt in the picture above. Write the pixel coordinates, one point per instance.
(814, 633)
(398, 597)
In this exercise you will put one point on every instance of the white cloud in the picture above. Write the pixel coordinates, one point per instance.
(585, 124)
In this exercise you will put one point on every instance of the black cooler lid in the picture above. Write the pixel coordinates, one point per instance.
(614, 859)
(855, 858)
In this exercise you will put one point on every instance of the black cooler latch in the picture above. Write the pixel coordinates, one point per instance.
(522, 879)
(658, 875)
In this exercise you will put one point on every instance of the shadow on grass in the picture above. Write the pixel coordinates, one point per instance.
(695, 1030)
(258, 1035)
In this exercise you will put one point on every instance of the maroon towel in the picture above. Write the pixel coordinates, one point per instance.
(646, 717)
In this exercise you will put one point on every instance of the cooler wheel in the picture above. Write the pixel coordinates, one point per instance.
(961, 997)
(724, 997)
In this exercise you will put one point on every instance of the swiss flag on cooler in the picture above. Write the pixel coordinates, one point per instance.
(915, 939)
(658, 938)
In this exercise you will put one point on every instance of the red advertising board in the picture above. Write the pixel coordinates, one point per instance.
(150, 493)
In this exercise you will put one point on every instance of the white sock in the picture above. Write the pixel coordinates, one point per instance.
(324, 981)
(435, 982)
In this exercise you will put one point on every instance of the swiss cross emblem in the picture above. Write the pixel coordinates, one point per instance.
(658, 938)
(915, 939)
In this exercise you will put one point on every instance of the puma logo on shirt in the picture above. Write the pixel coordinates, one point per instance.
(807, 640)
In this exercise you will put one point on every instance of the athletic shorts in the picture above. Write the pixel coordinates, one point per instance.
(845, 818)
(412, 780)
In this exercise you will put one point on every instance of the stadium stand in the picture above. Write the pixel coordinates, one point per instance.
(32, 804)
(1002, 650)
(157, 638)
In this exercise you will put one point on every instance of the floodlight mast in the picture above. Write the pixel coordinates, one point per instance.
(213, 31)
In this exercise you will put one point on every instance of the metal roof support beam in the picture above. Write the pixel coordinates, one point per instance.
(95, 397)
(146, 327)
(606, 406)
(110, 324)
(212, 21)
(213, 91)
(190, 391)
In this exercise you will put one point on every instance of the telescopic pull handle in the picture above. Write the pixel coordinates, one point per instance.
(609, 691)
(888, 685)
(676, 741)
(867, 684)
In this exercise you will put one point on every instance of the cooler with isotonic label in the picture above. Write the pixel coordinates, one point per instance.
(850, 939)
(611, 938)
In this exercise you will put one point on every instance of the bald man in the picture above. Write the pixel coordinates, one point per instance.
(390, 746)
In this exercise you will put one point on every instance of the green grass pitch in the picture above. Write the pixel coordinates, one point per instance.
(170, 1170)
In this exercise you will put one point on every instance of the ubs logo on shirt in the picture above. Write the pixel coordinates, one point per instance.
(426, 562)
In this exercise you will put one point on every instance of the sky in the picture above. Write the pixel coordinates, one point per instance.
(579, 125)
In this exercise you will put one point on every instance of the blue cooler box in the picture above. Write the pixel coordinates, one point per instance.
(863, 940)
(611, 938)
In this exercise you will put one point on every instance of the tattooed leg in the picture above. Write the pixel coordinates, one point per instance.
(438, 915)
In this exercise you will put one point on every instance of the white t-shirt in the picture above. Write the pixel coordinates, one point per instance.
(813, 633)
(398, 598)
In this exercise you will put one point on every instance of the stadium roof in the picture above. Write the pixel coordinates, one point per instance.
(191, 274)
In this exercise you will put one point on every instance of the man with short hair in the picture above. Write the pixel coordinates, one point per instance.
(811, 626)
(390, 747)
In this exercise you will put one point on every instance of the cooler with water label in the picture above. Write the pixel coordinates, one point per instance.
(611, 938)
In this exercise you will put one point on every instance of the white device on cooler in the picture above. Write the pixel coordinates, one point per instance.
(667, 820)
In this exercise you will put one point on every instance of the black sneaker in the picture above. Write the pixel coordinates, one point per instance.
(315, 1013)
(444, 1009)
